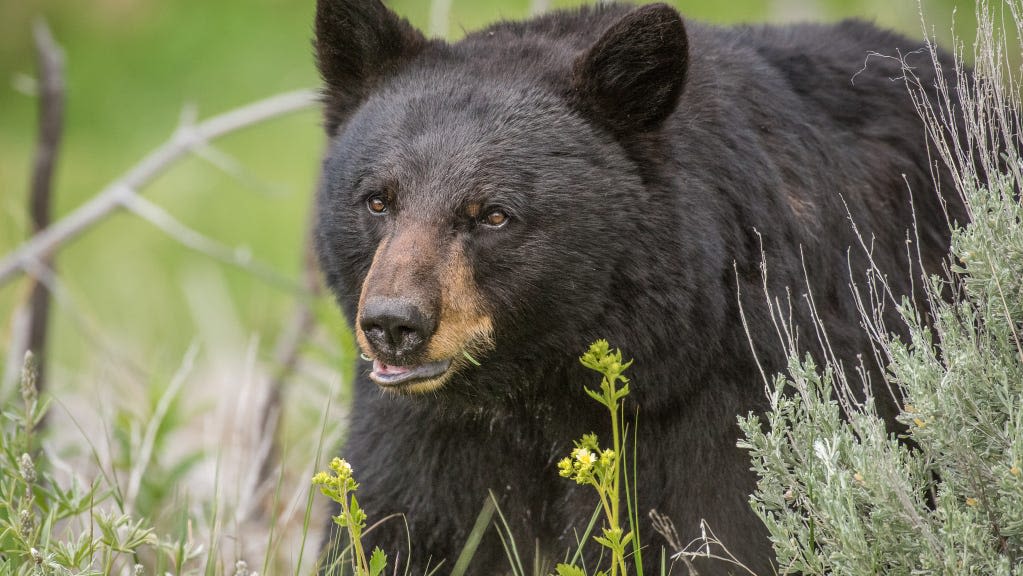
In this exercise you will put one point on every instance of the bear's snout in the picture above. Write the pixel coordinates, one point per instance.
(396, 329)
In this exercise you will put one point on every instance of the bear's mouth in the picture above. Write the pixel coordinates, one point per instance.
(391, 376)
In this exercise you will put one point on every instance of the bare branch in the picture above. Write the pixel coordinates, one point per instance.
(440, 16)
(51, 121)
(51, 124)
(234, 168)
(190, 238)
(185, 139)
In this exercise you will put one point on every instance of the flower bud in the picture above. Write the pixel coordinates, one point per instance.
(27, 469)
(29, 376)
(26, 524)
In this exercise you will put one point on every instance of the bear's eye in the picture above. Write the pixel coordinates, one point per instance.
(376, 205)
(495, 218)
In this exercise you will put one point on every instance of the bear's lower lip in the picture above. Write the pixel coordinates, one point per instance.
(389, 375)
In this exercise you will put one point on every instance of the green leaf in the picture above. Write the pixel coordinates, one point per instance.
(356, 515)
(622, 392)
(377, 562)
(569, 570)
(472, 360)
(626, 539)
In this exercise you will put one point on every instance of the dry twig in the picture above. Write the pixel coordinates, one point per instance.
(185, 139)
(51, 124)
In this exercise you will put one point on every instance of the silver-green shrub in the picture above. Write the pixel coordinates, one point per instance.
(841, 494)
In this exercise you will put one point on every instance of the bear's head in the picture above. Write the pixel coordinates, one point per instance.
(477, 197)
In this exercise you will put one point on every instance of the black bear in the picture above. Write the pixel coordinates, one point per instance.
(490, 207)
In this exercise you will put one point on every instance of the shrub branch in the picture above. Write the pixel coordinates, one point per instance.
(50, 61)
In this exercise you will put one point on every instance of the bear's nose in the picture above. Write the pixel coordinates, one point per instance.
(395, 328)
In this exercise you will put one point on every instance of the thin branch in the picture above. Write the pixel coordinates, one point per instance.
(51, 122)
(440, 16)
(51, 127)
(233, 167)
(185, 139)
(190, 238)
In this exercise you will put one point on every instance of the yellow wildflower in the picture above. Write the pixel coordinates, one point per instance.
(565, 467)
(607, 458)
(585, 458)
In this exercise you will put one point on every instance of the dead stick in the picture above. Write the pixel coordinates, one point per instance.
(110, 199)
(51, 127)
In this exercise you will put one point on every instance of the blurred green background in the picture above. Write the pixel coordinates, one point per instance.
(136, 296)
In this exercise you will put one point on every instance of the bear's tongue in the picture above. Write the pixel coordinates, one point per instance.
(388, 370)
(389, 375)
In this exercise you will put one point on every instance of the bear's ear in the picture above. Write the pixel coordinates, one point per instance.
(631, 79)
(358, 43)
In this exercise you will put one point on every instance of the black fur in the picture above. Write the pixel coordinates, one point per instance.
(645, 165)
